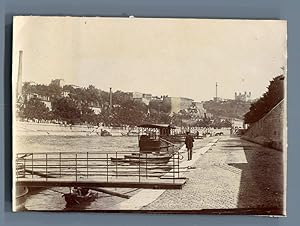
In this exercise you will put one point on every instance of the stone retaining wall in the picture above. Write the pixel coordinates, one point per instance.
(270, 130)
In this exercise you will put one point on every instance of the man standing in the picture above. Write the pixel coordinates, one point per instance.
(189, 145)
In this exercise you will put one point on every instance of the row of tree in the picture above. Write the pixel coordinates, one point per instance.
(73, 105)
(274, 94)
(65, 109)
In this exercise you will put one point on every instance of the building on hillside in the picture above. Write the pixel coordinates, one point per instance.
(38, 96)
(157, 98)
(242, 96)
(48, 104)
(137, 95)
(217, 99)
(200, 108)
(57, 82)
(208, 115)
(66, 88)
(178, 103)
(44, 99)
(143, 97)
(65, 93)
(237, 123)
(96, 107)
(97, 110)
(146, 98)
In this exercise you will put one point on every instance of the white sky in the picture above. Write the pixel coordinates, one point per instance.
(175, 57)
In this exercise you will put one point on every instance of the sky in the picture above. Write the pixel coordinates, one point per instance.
(175, 57)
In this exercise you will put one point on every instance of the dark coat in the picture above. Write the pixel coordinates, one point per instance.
(189, 141)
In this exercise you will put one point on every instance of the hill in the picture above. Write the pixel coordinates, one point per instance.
(227, 108)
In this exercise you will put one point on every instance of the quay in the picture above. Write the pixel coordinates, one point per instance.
(227, 176)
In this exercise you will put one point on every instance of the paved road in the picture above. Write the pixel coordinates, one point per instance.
(233, 174)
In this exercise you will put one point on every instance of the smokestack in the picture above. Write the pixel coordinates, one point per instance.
(19, 81)
(216, 91)
(110, 98)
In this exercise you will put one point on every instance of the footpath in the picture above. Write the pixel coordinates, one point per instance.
(226, 175)
(147, 196)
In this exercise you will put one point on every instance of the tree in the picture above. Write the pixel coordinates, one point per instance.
(92, 95)
(120, 97)
(35, 109)
(129, 112)
(66, 109)
(176, 119)
(27, 88)
(68, 88)
(87, 114)
(269, 100)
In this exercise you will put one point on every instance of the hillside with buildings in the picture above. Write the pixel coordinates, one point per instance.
(66, 103)
(232, 109)
(227, 108)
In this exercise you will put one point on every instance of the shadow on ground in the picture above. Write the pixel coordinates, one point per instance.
(261, 185)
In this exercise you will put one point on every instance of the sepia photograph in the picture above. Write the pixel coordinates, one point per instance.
(149, 115)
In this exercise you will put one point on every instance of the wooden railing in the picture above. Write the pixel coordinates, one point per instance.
(102, 166)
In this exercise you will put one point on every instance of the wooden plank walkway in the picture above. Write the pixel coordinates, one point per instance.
(129, 183)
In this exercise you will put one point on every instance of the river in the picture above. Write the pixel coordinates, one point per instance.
(51, 199)
(52, 143)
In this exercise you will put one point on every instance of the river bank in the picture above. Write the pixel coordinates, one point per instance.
(34, 128)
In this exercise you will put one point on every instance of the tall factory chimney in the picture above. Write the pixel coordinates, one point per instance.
(216, 91)
(110, 98)
(19, 80)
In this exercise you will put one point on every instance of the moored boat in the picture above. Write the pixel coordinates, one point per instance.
(74, 198)
(105, 133)
(154, 146)
(21, 195)
(130, 134)
(150, 157)
(155, 137)
(140, 161)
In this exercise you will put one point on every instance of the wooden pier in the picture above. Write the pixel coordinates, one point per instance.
(97, 169)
